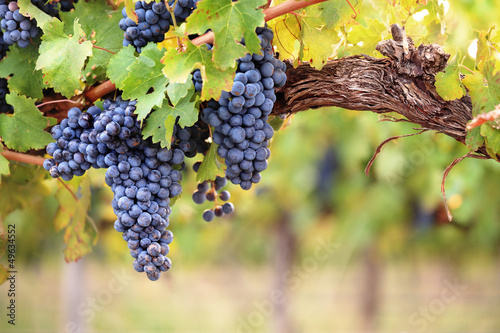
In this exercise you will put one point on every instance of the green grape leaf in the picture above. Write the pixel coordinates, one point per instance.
(119, 63)
(25, 129)
(276, 123)
(335, 12)
(160, 123)
(484, 89)
(62, 58)
(179, 65)
(3, 274)
(473, 139)
(448, 83)
(492, 139)
(21, 64)
(100, 24)
(158, 126)
(146, 74)
(43, 20)
(72, 217)
(148, 102)
(210, 167)
(177, 91)
(230, 21)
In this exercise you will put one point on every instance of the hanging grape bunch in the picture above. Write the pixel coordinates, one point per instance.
(16, 28)
(142, 175)
(154, 21)
(240, 116)
(20, 29)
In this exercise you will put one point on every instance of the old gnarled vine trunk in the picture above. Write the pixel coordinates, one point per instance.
(402, 83)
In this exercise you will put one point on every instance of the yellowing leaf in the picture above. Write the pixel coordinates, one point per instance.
(366, 38)
(72, 216)
(305, 37)
(335, 12)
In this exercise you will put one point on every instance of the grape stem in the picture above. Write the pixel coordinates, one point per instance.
(20, 157)
(69, 190)
(270, 13)
(57, 101)
(102, 48)
(174, 21)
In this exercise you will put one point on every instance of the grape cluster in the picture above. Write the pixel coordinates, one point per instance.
(16, 28)
(154, 21)
(192, 140)
(208, 190)
(48, 7)
(239, 117)
(142, 175)
(183, 9)
(4, 90)
(67, 5)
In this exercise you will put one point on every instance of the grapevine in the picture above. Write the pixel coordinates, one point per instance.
(138, 89)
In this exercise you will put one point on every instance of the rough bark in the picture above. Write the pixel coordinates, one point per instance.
(402, 82)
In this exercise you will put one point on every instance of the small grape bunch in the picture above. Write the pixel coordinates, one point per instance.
(154, 21)
(16, 27)
(183, 8)
(211, 191)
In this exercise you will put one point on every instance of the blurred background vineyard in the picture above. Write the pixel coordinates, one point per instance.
(317, 246)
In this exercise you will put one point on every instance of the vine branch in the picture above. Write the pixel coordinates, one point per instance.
(24, 158)
(402, 83)
(270, 13)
